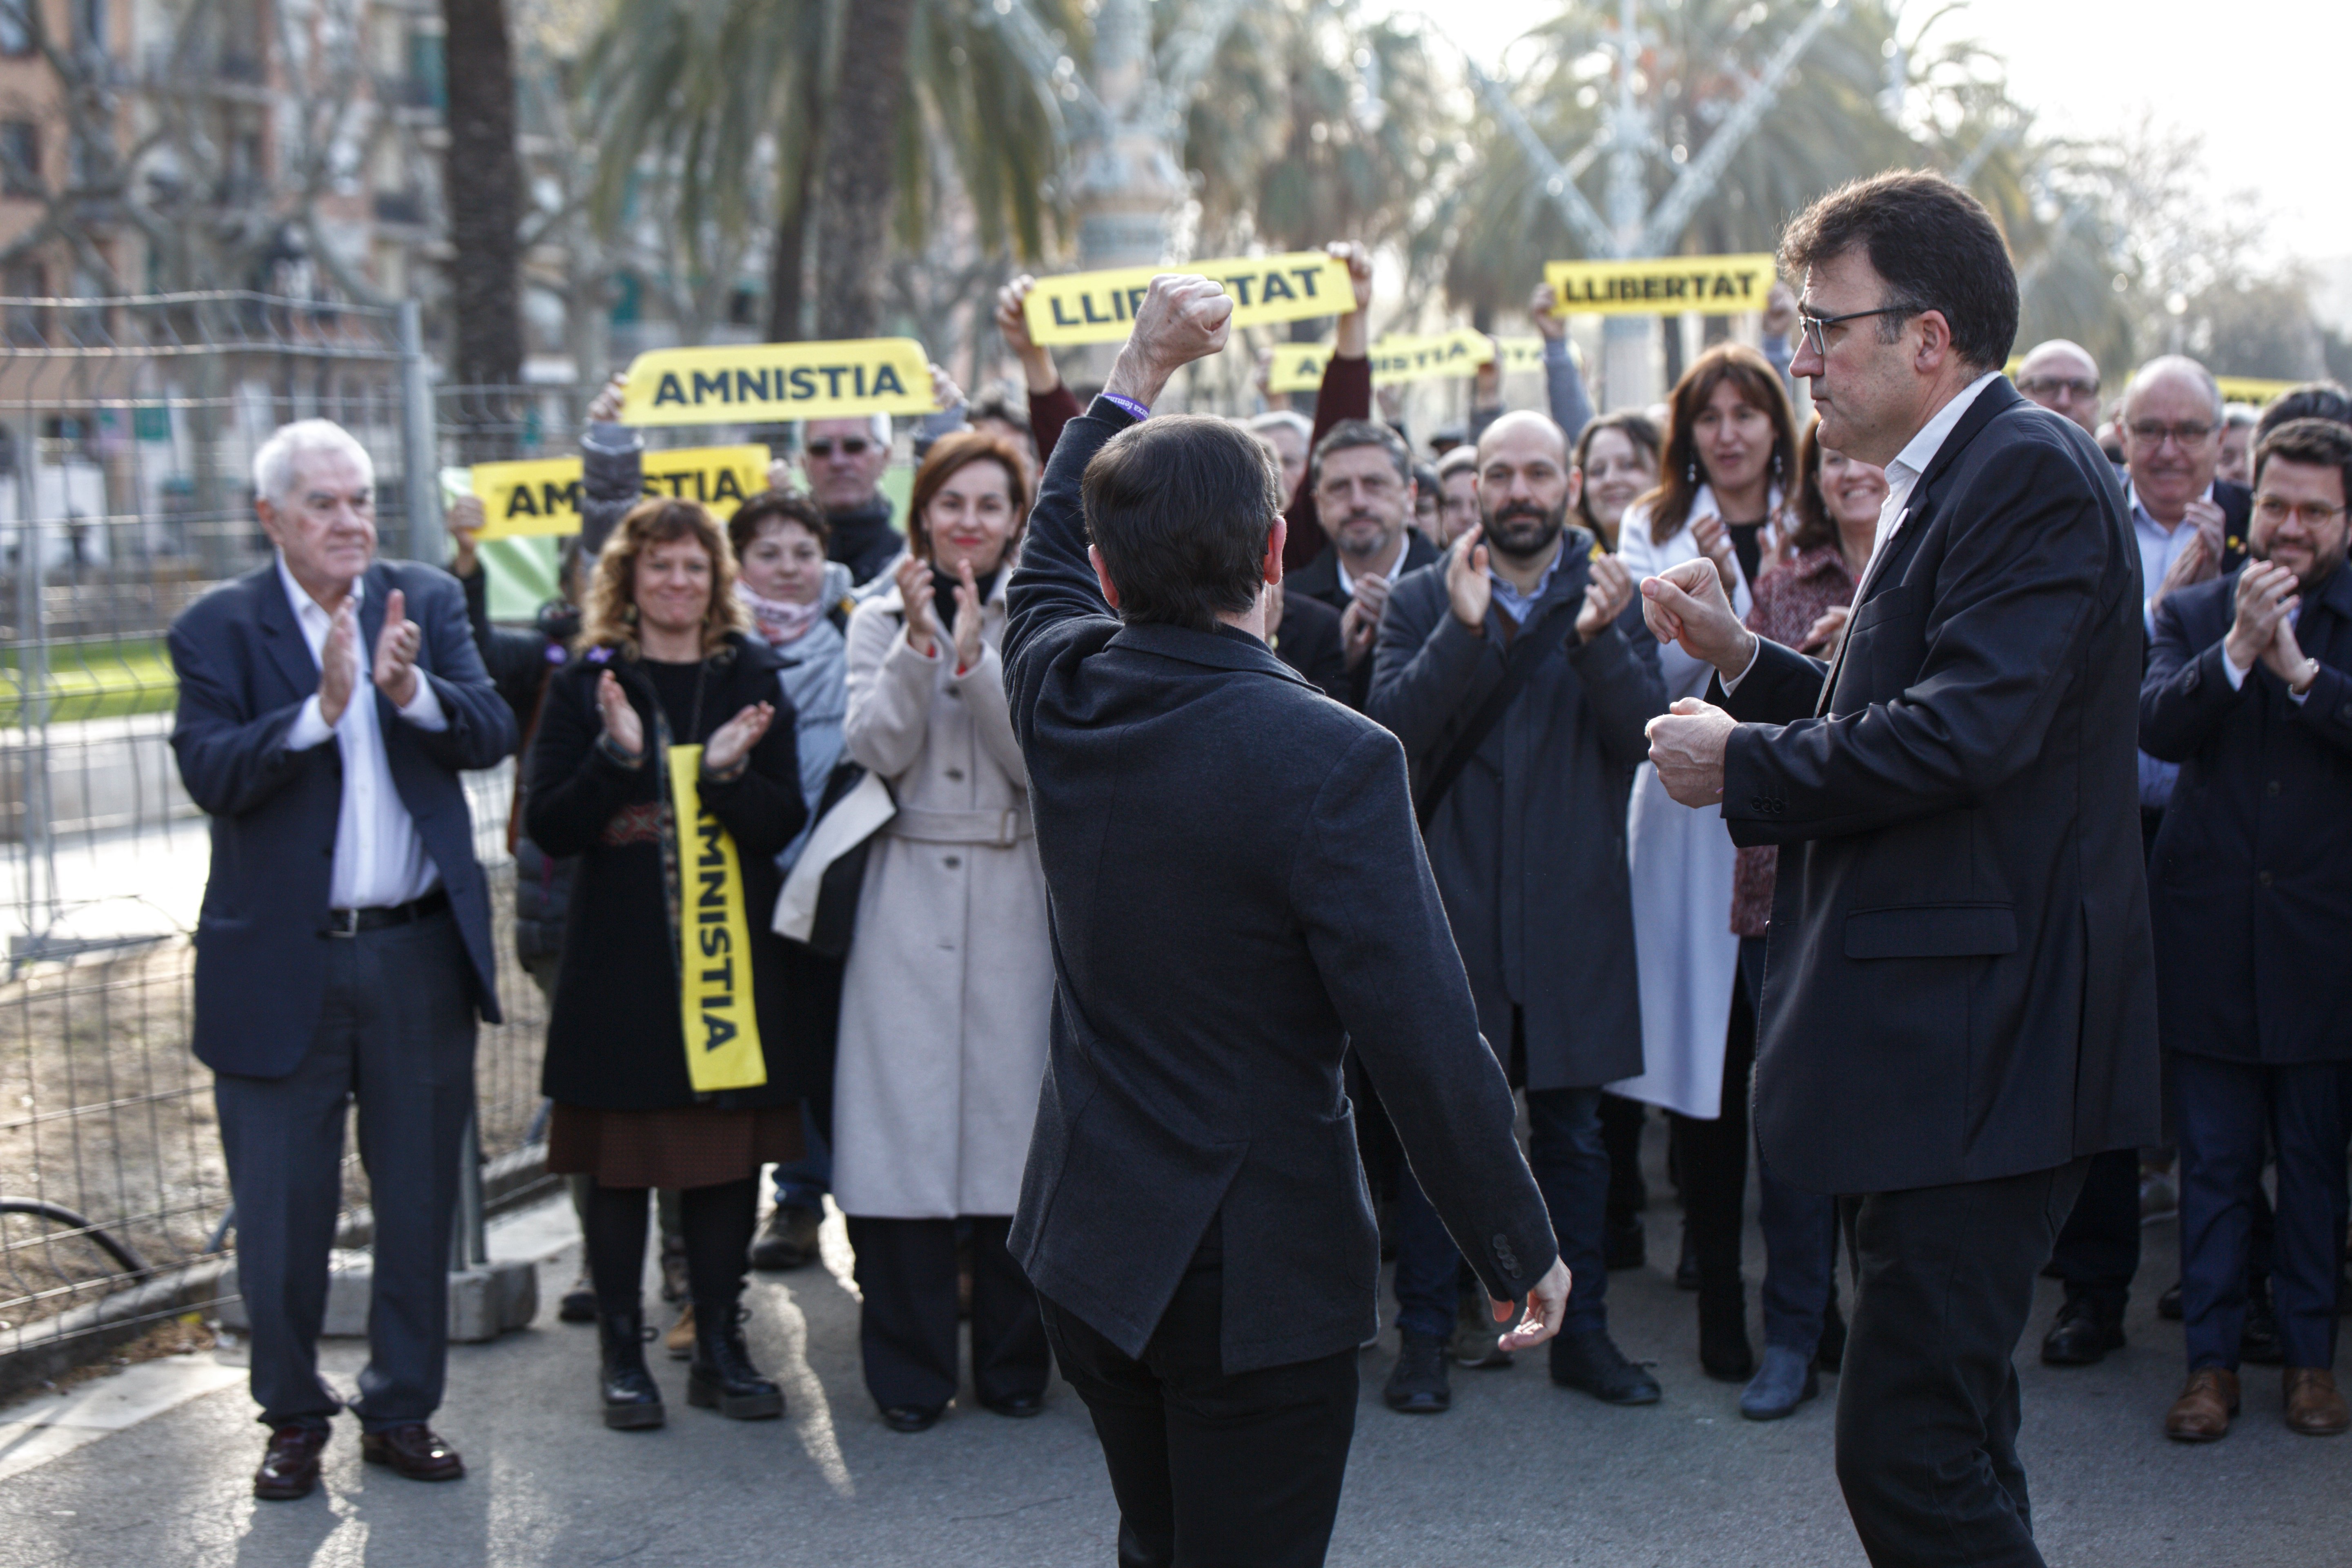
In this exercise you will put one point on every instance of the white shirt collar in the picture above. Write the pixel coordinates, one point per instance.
(1346, 578)
(306, 608)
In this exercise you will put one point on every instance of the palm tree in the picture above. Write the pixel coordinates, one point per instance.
(483, 180)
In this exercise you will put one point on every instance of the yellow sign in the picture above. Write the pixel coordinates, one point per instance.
(1521, 354)
(1298, 367)
(1712, 285)
(736, 383)
(543, 497)
(714, 973)
(2248, 389)
(1099, 307)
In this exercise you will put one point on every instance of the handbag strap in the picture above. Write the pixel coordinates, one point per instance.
(1528, 650)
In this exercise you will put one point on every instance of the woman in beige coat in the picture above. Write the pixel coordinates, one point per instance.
(944, 1006)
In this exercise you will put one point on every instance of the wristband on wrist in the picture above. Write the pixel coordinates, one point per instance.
(1141, 411)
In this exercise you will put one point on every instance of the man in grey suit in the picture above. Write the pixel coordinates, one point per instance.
(328, 702)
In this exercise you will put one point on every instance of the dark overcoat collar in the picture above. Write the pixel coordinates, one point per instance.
(1227, 648)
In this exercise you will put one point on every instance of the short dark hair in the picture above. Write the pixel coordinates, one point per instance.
(2312, 400)
(1936, 245)
(1000, 405)
(2322, 443)
(1349, 434)
(1424, 478)
(1181, 508)
(775, 507)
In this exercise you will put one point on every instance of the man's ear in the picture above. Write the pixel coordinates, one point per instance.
(1276, 538)
(267, 515)
(1102, 576)
(1935, 341)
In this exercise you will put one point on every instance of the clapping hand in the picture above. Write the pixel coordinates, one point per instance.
(732, 741)
(1183, 317)
(623, 728)
(396, 651)
(913, 575)
(1468, 589)
(1715, 543)
(2265, 601)
(968, 618)
(1359, 623)
(1826, 632)
(606, 408)
(1607, 592)
(1038, 367)
(339, 664)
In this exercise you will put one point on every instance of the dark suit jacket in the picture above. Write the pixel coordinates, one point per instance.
(1320, 579)
(2251, 892)
(1236, 893)
(1958, 984)
(1308, 641)
(245, 671)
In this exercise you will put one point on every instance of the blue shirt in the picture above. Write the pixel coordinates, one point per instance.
(1515, 605)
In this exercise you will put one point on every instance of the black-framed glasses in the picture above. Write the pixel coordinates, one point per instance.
(851, 446)
(2051, 385)
(2277, 509)
(1815, 329)
(2188, 433)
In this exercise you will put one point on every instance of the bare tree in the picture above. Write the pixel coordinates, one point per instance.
(484, 185)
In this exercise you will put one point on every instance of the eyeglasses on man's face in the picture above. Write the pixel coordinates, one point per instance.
(1815, 329)
(2275, 509)
(2056, 387)
(824, 446)
(2186, 433)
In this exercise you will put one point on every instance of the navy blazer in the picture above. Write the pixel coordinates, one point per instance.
(2251, 892)
(1235, 890)
(1958, 984)
(245, 671)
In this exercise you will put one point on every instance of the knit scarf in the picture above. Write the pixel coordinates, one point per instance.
(779, 621)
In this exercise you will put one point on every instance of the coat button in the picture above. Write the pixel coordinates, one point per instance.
(954, 861)
(2264, 878)
(956, 774)
(2196, 677)
(2270, 788)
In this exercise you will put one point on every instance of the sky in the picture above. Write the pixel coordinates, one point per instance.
(2261, 82)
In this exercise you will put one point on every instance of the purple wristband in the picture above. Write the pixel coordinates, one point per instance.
(1141, 411)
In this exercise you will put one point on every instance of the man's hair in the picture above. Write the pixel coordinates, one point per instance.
(2175, 364)
(1000, 405)
(879, 424)
(2240, 416)
(2322, 443)
(2312, 400)
(1457, 460)
(1933, 243)
(275, 464)
(770, 509)
(1282, 419)
(1349, 434)
(1424, 478)
(1181, 508)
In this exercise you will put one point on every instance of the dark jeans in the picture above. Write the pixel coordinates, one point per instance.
(1572, 1170)
(804, 1182)
(2223, 1110)
(1799, 1228)
(1713, 1159)
(1927, 1402)
(1212, 1469)
(906, 1272)
(396, 1033)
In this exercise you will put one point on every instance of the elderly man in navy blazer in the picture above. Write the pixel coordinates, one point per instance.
(328, 702)
(2250, 892)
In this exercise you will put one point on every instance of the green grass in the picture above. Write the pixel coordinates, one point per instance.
(94, 681)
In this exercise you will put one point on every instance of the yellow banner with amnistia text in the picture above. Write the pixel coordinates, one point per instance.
(735, 383)
(541, 497)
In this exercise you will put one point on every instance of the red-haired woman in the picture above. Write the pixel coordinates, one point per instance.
(949, 980)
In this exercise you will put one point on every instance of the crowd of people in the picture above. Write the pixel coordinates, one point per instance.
(1482, 603)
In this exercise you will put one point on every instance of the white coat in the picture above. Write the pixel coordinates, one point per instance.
(944, 1004)
(1682, 862)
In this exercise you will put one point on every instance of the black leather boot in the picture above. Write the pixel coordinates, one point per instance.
(1723, 1353)
(722, 1377)
(632, 1399)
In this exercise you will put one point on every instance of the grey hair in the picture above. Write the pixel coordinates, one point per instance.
(2175, 364)
(2241, 416)
(275, 463)
(1288, 419)
(880, 424)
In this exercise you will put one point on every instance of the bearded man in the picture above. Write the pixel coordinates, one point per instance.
(1520, 695)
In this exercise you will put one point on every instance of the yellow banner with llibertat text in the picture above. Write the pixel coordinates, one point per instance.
(1298, 367)
(735, 383)
(1667, 286)
(542, 497)
(714, 933)
(1099, 307)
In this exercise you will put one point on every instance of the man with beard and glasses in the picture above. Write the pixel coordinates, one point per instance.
(1520, 698)
(1361, 478)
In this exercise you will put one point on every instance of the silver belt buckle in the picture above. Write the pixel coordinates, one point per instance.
(344, 922)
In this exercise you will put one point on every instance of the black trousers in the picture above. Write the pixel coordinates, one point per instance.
(396, 1034)
(1714, 1163)
(2098, 1252)
(1212, 1469)
(907, 1272)
(1927, 1402)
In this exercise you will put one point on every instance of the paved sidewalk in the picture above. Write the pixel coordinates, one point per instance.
(1519, 1473)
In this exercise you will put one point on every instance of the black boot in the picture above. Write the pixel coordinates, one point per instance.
(722, 1377)
(1723, 1353)
(632, 1399)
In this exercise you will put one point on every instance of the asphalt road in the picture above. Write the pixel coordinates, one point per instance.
(1518, 1473)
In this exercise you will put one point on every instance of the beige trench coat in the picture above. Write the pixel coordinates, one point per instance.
(944, 1007)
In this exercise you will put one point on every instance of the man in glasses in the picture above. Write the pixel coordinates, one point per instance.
(2062, 377)
(844, 460)
(1960, 998)
(2250, 893)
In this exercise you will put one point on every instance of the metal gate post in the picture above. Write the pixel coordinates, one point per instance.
(420, 463)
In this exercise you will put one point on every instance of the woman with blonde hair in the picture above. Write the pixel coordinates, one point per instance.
(944, 1006)
(665, 762)
(1730, 457)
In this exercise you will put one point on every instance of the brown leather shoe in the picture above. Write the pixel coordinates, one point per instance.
(414, 1451)
(2202, 1412)
(2313, 1407)
(290, 1466)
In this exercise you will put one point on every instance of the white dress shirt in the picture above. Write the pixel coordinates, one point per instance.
(379, 859)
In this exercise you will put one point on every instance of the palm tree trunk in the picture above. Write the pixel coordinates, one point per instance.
(788, 257)
(861, 157)
(485, 194)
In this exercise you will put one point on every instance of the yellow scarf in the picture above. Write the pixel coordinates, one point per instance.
(721, 1024)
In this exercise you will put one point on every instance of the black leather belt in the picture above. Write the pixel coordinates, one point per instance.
(350, 922)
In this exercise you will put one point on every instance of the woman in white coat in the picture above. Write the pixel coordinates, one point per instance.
(1731, 444)
(945, 1002)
